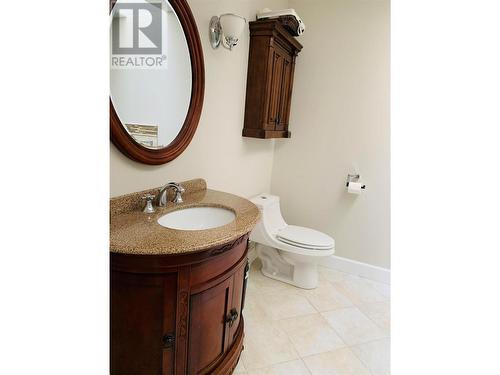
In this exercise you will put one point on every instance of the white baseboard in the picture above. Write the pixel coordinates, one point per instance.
(382, 275)
(353, 267)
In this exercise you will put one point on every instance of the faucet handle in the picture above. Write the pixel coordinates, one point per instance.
(149, 209)
(178, 195)
(178, 190)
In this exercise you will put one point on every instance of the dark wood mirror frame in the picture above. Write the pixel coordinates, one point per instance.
(122, 139)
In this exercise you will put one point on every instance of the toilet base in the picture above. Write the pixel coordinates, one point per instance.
(295, 269)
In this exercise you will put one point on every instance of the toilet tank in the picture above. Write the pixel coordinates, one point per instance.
(265, 200)
(272, 221)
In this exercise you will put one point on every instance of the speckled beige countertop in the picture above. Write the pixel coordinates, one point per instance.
(135, 232)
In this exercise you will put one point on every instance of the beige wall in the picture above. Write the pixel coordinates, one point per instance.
(217, 152)
(340, 116)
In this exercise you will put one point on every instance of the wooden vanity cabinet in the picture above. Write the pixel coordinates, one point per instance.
(271, 66)
(178, 314)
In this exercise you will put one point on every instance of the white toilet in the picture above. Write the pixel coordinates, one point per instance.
(288, 253)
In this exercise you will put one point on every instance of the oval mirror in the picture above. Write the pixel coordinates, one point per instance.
(156, 78)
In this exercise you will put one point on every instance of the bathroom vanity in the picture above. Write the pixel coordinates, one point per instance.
(177, 295)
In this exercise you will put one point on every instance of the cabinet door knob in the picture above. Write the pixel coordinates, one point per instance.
(231, 317)
(168, 340)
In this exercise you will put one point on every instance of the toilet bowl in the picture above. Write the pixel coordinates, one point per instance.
(288, 253)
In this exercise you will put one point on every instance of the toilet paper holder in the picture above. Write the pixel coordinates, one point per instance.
(353, 178)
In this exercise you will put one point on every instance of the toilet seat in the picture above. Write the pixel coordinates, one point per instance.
(305, 238)
(302, 246)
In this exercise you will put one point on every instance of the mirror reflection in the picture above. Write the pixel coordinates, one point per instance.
(151, 100)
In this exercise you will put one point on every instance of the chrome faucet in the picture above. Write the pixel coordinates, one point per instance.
(161, 200)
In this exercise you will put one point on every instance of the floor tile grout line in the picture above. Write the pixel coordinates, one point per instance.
(298, 316)
(370, 341)
(365, 315)
(336, 332)
(384, 298)
(355, 275)
(305, 365)
(361, 359)
(359, 278)
(373, 321)
(340, 307)
(278, 363)
(331, 351)
(295, 348)
(353, 304)
(289, 341)
(274, 364)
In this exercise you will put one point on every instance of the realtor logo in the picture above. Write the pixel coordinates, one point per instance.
(136, 35)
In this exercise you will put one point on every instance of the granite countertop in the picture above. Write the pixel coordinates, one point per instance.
(135, 232)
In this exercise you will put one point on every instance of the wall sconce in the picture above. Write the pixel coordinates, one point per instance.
(226, 29)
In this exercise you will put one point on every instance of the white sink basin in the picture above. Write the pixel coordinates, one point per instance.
(197, 218)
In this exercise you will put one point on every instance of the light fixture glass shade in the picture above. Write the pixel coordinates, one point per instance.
(232, 27)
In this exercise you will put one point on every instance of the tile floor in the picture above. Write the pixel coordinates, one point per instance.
(342, 327)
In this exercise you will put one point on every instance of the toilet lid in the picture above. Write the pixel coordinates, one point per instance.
(305, 237)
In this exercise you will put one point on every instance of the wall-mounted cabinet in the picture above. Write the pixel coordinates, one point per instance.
(271, 66)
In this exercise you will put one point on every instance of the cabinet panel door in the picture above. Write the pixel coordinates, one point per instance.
(208, 338)
(276, 78)
(169, 308)
(285, 93)
(137, 323)
(239, 278)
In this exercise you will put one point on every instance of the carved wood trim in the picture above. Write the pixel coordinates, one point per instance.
(181, 347)
(167, 263)
(183, 314)
(228, 246)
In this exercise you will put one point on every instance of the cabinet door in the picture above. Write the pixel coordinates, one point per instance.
(237, 302)
(168, 339)
(285, 94)
(275, 89)
(208, 336)
(138, 323)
